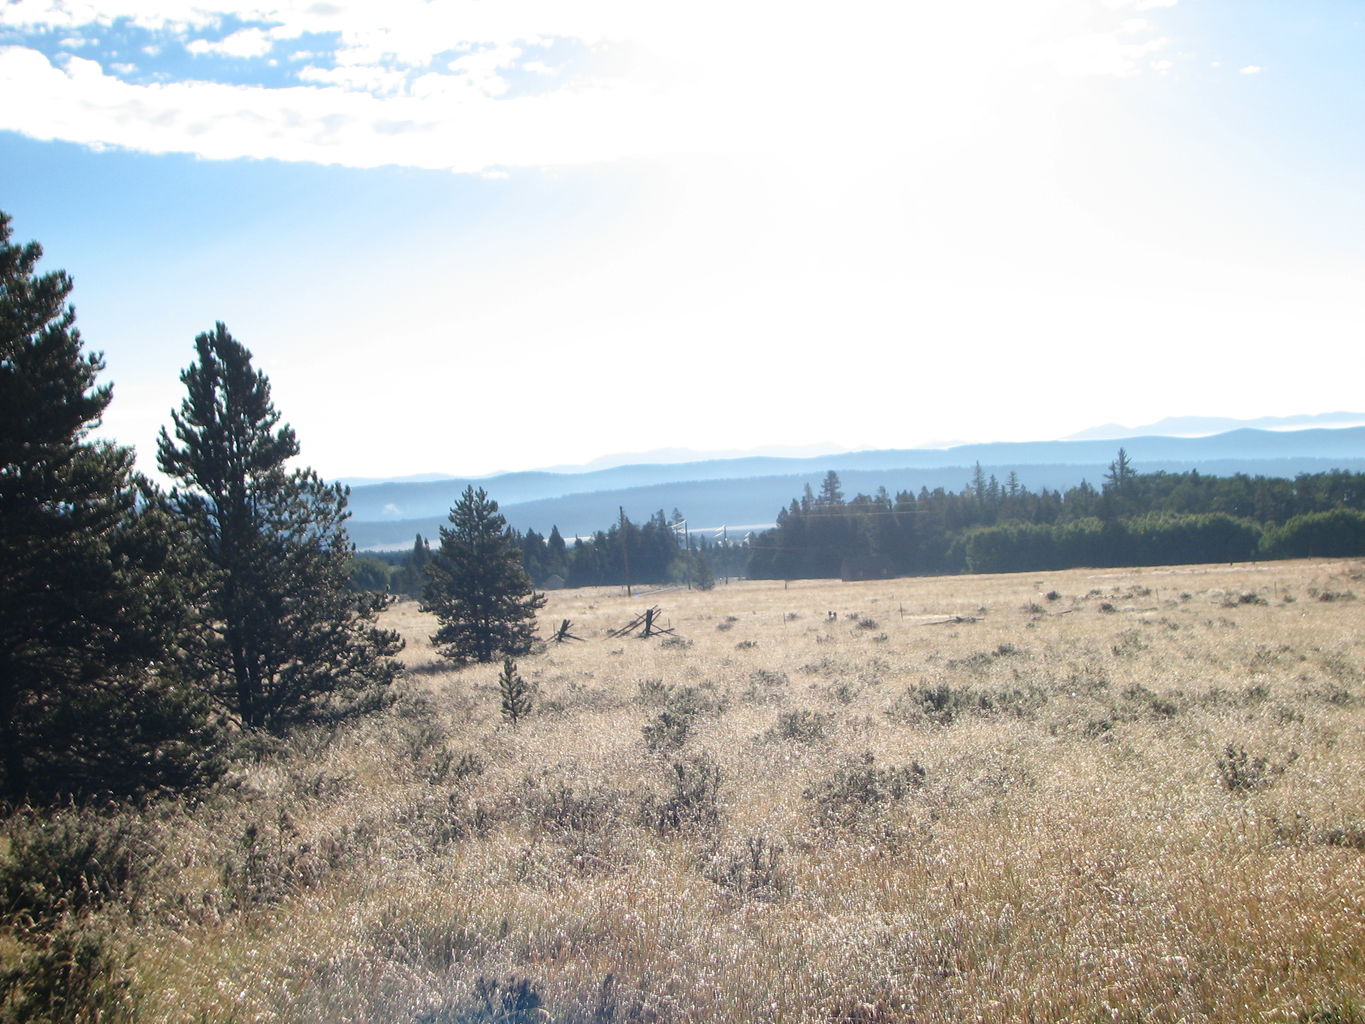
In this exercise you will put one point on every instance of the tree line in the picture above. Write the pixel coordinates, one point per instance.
(143, 631)
(1131, 519)
(656, 552)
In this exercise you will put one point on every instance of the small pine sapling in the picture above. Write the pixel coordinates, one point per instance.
(517, 694)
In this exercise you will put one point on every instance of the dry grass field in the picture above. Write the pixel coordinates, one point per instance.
(1133, 795)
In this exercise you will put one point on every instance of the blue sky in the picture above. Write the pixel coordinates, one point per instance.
(466, 237)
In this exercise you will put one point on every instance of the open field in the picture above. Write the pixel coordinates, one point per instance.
(1120, 795)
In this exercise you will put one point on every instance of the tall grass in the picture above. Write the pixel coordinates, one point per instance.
(999, 803)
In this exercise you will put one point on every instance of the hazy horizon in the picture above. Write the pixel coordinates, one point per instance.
(678, 456)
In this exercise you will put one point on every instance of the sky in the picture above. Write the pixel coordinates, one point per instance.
(466, 236)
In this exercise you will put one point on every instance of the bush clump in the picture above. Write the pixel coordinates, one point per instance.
(801, 726)
(669, 729)
(752, 870)
(514, 1001)
(69, 975)
(862, 784)
(692, 798)
(1242, 773)
(71, 862)
(943, 703)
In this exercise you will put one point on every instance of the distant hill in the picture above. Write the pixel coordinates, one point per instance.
(1202, 426)
(416, 478)
(748, 492)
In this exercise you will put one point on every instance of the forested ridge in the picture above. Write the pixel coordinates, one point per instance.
(1132, 518)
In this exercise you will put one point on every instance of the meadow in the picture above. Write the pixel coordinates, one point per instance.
(1118, 795)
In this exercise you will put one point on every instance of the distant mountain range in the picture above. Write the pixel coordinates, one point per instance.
(1202, 426)
(746, 493)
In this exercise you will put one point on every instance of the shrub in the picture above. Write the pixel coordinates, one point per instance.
(71, 862)
(692, 799)
(1351, 836)
(767, 677)
(515, 1001)
(1241, 773)
(267, 862)
(1146, 700)
(669, 729)
(652, 691)
(556, 807)
(754, 869)
(1346, 1012)
(941, 704)
(801, 726)
(71, 975)
(861, 784)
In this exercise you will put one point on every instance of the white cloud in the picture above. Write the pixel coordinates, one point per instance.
(79, 103)
(1250, 69)
(180, 14)
(247, 42)
(643, 78)
(481, 68)
(376, 80)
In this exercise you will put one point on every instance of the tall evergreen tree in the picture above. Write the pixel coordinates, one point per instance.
(557, 556)
(89, 704)
(413, 576)
(477, 586)
(831, 492)
(1120, 473)
(283, 641)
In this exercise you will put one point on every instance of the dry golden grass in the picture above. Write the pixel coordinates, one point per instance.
(1082, 840)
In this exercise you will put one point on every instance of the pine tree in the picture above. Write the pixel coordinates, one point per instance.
(282, 641)
(89, 592)
(477, 586)
(703, 576)
(1120, 472)
(557, 556)
(413, 575)
(831, 492)
(517, 695)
